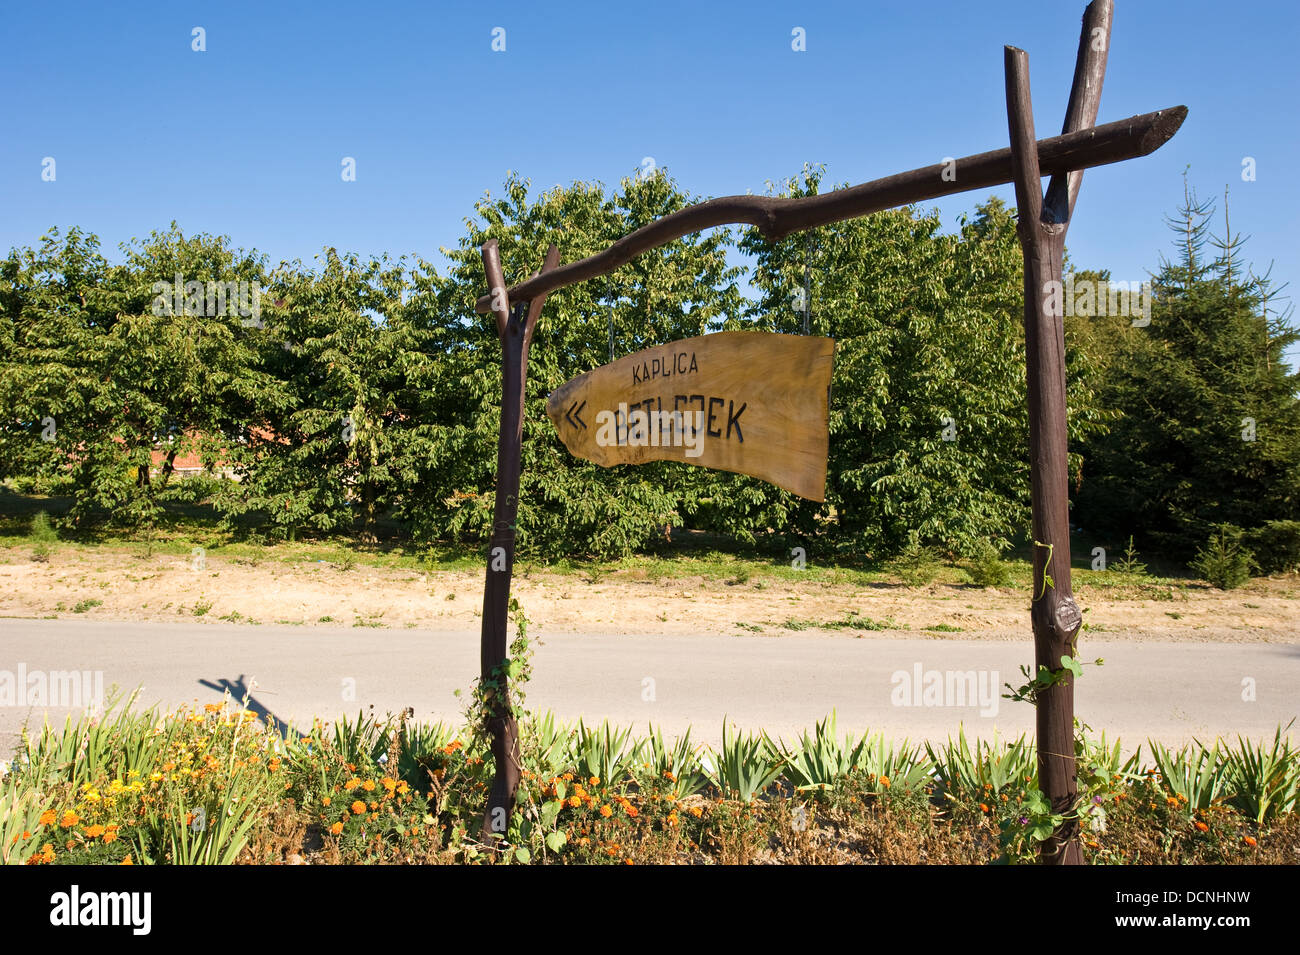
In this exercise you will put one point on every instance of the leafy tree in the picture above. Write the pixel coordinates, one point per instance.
(567, 506)
(1210, 432)
(346, 439)
(928, 417)
(125, 371)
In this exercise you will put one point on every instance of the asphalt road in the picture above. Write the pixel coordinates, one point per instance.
(1168, 691)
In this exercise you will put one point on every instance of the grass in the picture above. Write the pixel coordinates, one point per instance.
(852, 621)
(213, 785)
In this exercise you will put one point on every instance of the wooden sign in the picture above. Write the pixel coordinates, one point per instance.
(750, 402)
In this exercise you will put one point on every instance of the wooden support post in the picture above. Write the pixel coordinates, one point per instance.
(1055, 615)
(515, 327)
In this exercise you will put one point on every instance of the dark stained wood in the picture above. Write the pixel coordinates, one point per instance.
(1084, 102)
(775, 217)
(1054, 615)
(515, 328)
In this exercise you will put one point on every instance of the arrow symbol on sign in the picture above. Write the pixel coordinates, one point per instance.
(572, 415)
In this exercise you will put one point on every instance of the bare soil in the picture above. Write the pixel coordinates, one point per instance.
(104, 583)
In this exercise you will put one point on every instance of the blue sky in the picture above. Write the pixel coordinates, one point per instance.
(246, 138)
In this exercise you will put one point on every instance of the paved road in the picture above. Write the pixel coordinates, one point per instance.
(1170, 691)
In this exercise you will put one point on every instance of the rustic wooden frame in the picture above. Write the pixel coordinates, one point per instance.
(1043, 221)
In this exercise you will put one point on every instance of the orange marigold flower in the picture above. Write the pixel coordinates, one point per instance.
(358, 807)
(69, 819)
(368, 785)
(168, 766)
(696, 811)
(47, 818)
(1202, 826)
(1249, 840)
(325, 801)
(630, 809)
(110, 836)
(389, 783)
(594, 781)
(606, 811)
(575, 802)
(984, 808)
(336, 828)
(352, 783)
(884, 781)
(126, 861)
(94, 832)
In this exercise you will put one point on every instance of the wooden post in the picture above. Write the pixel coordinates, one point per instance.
(515, 329)
(1055, 616)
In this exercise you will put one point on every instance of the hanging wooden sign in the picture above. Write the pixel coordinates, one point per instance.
(750, 402)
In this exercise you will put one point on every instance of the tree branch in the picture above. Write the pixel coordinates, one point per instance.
(776, 218)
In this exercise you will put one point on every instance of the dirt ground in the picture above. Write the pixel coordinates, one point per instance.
(114, 585)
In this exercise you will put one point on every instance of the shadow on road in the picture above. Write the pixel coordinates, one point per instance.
(242, 693)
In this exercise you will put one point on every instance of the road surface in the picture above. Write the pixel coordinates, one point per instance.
(1168, 691)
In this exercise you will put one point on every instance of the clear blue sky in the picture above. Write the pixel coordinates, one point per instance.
(246, 139)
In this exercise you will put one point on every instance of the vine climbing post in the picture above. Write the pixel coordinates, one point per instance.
(515, 325)
(1043, 221)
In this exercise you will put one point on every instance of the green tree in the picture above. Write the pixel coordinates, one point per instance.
(131, 375)
(1210, 432)
(346, 441)
(928, 417)
(567, 506)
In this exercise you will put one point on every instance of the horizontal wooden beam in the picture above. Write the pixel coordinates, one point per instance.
(778, 217)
